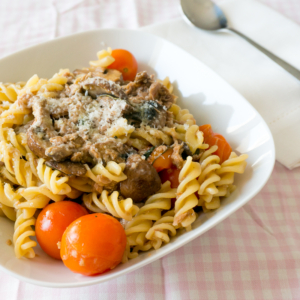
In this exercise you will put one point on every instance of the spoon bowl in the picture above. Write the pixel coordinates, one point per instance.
(204, 14)
(207, 15)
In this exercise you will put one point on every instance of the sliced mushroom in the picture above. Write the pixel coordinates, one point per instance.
(158, 91)
(149, 113)
(59, 153)
(97, 86)
(36, 144)
(108, 151)
(41, 130)
(67, 167)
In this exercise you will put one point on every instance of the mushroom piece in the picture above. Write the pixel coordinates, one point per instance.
(37, 145)
(142, 179)
(97, 86)
(59, 153)
(67, 167)
(41, 130)
(149, 113)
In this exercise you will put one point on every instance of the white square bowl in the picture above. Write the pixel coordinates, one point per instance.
(204, 93)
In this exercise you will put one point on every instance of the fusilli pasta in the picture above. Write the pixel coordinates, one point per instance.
(137, 229)
(53, 179)
(162, 229)
(208, 178)
(112, 172)
(111, 204)
(186, 199)
(23, 231)
(153, 136)
(104, 59)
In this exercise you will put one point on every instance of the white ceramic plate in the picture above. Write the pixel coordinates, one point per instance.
(204, 93)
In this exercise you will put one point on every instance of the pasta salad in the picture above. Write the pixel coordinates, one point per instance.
(101, 164)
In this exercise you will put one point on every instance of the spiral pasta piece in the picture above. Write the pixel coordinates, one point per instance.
(26, 201)
(161, 230)
(8, 199)
(7, 195)
(8, 135)
(36, 197)
(208, 178)
(33, 85)
(74, 194)
(82, 184)
(113, 172)
(133, 253)
(182, 115)
(175, 133)
(213, 204)
(16, 169)
(137, 229)
(15, 114)
(111, 204)
(53, 179)
(104, 58)
(8, 92)
(153, 136)
(51, 87)
(23, 231)
(186, 199)
(234, 164)
(194, 138)
(8, 212)
(137, 143)
(183, 121)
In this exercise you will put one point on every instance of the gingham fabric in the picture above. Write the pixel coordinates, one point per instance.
(253, 254)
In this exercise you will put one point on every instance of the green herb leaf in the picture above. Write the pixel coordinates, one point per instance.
(148, 152)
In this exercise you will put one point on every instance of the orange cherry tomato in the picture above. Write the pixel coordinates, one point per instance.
(155, 154)
(212, 138)
(93, 244)
(53, 221)
(124, 62)
(163, 161)
(206, 129)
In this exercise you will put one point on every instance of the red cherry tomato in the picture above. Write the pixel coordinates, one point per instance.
(171, 175)
(124, 62)
(212, 138)
(53, 221)
(93, 244)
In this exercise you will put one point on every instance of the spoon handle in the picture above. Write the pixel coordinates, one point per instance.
(293, 71)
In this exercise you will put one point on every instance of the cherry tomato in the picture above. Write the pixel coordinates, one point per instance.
(124, 62)
(53, 221)
(163, 161)
(212, 138)
(171, 175)
(93, 244)
(207, 130)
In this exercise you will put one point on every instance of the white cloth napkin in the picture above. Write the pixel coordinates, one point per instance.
(269, 88)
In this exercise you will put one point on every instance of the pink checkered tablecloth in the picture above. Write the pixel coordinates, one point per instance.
(253, 254)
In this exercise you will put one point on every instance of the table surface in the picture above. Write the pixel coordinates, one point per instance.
(253, 254)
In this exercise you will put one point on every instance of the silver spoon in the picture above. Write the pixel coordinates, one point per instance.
(207, 15)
